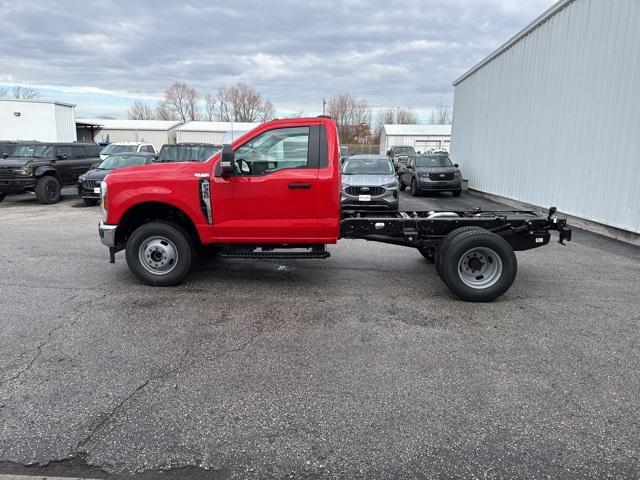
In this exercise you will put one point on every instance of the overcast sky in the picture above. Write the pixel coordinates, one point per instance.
(103, 55)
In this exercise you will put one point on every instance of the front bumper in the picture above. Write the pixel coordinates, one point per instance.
(426, 184)
(85, 191)
(107, 234)
(17, 185)
(387, 201)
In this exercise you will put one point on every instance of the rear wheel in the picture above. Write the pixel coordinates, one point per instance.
(48, 190)
(457, 193)
(403, 187)
(159, 254)
(90, 202)
(479, 266)
(446, 242)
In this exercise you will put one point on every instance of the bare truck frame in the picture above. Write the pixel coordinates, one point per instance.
(473, 249)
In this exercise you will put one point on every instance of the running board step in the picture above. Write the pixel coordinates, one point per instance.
(277, 255)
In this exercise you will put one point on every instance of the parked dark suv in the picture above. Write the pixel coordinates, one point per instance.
(44, 168)
(432, 172)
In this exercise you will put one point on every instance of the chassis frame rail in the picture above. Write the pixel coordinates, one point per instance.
(522, 229)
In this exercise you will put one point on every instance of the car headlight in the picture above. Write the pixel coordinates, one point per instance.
(457, 174)
(81, 178)
(391, 185)
(24, 171)
(423, 175)
(104, 200)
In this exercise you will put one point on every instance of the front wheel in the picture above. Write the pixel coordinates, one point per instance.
(457, 193)
(414, 188)
(159, 254)
(403, 187)
(48, 190)
(478, 266)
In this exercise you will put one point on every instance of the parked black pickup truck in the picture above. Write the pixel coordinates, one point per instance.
(44, 168)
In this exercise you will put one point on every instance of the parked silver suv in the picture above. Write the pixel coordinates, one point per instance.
(369, 182)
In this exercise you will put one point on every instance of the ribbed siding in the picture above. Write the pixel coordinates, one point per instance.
(65, 123)
(555, 120)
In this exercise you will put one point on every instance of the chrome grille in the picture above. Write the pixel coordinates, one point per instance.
(91, 184)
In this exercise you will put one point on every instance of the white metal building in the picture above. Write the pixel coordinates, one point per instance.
(420, 137)
(553, 116)
(43, 120)
(212, 132)
(156, 132)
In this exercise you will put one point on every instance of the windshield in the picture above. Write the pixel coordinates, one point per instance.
(433, 161)
(368, 166)
(187, 153)
(33, 151)
(118, 161)
(404, 150)
(114, 148)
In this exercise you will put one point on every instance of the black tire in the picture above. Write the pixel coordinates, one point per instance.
(428, 253)
(48, 190)
(446, 242)
(457, 193)
(2, 196)
(177, 239)
(403, 187)
(494, 270)
(414, 188)
(91, 202)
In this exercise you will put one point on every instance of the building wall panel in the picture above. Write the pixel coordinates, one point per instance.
(554, 120)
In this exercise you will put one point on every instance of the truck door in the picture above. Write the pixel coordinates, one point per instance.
(273, 195)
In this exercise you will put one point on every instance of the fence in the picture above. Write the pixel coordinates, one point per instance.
(362, 148)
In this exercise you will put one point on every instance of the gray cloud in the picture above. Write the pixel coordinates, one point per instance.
(296, 53)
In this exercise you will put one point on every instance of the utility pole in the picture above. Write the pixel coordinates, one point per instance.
(324, 106)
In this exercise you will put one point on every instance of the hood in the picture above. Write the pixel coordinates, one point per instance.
(17, 161)
(95, 174)
(160, 170)
(368, 180)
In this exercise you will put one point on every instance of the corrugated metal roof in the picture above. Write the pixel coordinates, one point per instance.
(417, 129)
(556, 8)
(217, 126)
(53, 102)
(131, 124)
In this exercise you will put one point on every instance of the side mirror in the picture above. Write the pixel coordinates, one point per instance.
(226, 161)
(5, 155)
(388, 153)
(456, 165)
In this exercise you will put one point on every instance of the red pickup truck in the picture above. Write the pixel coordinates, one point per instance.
(275, 193)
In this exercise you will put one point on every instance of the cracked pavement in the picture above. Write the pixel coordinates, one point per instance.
(358, 366)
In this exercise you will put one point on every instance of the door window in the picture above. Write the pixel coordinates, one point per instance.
(274, 150)
(66, 151)
(79, 152)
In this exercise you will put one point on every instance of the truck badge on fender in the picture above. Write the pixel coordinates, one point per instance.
(205, 200)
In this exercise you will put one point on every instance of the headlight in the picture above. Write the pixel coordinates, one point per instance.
(457, 174)
(24, 171)
(104, 201)
(423, 175)
(81, 178)
(391, 185)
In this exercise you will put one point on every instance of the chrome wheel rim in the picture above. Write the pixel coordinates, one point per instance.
(480, 267)
(158, 255)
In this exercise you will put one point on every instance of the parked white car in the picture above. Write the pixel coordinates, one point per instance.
(126, 147)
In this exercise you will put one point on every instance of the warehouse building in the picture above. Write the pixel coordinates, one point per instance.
(42, 120)
(156, 132)
(553, 116)
(212, 132)
(420, 137)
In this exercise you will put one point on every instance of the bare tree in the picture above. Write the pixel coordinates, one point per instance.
(393, 116)
(441, 115)
(182, 100)
(164, 112)
(351, 116)
(19, 92)
(140, 111)
(209, 107)
(243, 103)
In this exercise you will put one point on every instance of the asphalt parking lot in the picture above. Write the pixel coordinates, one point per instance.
(358, 366)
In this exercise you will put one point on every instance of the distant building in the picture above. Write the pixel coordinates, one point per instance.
(212, 132)
(420, 137)
(43, 120)
(553, 116)
(156, 132)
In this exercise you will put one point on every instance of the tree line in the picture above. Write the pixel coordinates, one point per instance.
(244, 103)
(238, 103)
(19, 92)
